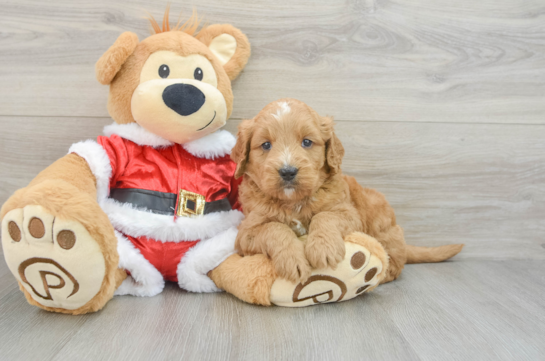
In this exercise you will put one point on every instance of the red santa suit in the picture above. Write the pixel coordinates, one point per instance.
(174, 207)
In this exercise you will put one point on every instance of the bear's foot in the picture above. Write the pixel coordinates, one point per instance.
(59, 264)
(361, 270)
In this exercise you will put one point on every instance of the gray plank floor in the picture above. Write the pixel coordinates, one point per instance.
(465, 310)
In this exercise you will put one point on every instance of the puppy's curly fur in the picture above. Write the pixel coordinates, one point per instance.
(291, 160)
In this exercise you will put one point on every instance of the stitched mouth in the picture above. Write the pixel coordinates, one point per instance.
(214, 117)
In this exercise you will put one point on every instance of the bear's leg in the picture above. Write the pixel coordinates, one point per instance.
(253, 279)
(249, 278)
(61, 247)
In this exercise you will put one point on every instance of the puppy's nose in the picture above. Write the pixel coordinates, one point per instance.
(184, 99)
(288, 173)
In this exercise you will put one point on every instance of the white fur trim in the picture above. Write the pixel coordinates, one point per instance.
(99, 163)
(135, 133)
(212, 146)
(145, 280)
(137, 222)
(204, 257)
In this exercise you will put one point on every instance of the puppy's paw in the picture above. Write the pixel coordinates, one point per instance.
(292, 265)
(325, 249)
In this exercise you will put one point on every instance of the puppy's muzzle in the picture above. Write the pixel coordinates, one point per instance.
(184, 99)
(288, 173)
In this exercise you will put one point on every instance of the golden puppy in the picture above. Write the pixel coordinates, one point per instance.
(290, 158)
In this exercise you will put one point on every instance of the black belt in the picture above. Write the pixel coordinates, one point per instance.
(165, 203)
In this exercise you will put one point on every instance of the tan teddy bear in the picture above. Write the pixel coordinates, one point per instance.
(155, 199)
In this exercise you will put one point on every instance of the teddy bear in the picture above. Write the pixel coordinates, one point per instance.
(155, 198)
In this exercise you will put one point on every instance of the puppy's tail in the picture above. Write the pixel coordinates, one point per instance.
(432, 254)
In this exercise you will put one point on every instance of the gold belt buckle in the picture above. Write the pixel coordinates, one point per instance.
(190, 204)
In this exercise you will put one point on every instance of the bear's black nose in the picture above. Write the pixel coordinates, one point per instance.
(184, 99)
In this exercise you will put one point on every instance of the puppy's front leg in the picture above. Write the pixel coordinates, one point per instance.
(277, 241)
(325, 243)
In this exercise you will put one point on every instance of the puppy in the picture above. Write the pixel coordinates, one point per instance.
(293, 186)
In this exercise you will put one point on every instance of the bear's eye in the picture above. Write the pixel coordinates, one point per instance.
(164, 71)
(198, 74)
(306, 143)
(266, 146)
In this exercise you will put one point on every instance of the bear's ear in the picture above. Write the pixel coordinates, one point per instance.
(229, 45)
(111, 61)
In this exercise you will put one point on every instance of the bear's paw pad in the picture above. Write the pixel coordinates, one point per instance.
(57, 261)
(358, 272)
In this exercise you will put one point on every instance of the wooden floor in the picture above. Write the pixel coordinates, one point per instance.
(468, 310)
(440, 104)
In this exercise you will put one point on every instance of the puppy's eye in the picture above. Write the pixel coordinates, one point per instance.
(198, 74)
(266, 146)
(164, 71)
(307, 143)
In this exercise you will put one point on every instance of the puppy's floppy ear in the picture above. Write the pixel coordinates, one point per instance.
(111, 61)
(241, 150)
(229, 45)
(334, 150)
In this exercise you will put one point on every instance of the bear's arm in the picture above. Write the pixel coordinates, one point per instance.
(72, 169)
